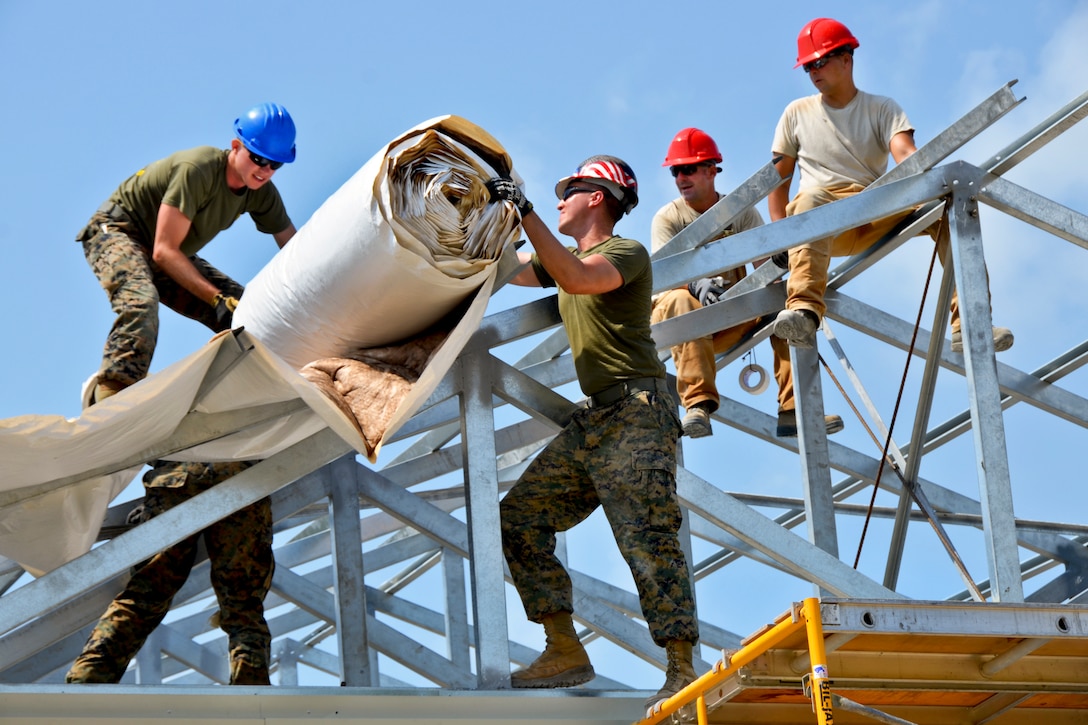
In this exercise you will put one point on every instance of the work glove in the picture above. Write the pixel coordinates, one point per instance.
(138, 515)
(149, 508)
(504, 189)
(781, 260)
(224, 309)
(708, 290)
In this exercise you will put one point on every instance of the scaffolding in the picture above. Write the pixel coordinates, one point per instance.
(390, 580)
(900, 663)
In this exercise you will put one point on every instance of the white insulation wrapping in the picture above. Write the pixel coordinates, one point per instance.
(402, 243)
(408, 240)
(61, 473)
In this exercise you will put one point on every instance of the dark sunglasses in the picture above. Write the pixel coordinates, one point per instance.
(572, 190)
(263, 162)
(820, 62)
(685, 169)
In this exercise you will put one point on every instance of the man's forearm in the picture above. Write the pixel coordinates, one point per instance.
(556, 258)
(182, 271)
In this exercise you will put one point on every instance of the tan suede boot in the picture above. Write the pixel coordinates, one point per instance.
(106, 389)
(564, 662)
(679, 673)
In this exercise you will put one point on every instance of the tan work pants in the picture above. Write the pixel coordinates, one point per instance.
(807, 283)
(696, 371)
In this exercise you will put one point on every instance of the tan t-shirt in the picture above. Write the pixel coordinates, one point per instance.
(839, 146)
(674, 216)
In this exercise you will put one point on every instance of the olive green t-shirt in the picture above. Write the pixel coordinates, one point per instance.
(195, 182)
(609, 333)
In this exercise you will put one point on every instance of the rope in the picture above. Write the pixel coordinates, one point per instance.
(916, 493)
(898, 400)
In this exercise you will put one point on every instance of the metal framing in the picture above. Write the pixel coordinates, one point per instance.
(372, 589)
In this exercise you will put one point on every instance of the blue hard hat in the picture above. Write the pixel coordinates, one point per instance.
(267, 130)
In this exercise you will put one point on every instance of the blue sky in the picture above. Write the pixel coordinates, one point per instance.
(93, 91)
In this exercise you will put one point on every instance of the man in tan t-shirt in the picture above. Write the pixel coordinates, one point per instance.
(840, 139)
(693, 159)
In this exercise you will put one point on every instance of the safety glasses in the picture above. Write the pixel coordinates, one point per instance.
(572, 190)
(685, 169)
(820, 62)
(263, 162)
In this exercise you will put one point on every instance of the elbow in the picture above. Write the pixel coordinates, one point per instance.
(163, 255)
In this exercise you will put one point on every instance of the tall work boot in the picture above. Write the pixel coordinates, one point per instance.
(107, 389)
(679, 673)
(248, 666)
(564, 662)
(95, 390)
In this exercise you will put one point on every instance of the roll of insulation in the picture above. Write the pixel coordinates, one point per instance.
(400, 245)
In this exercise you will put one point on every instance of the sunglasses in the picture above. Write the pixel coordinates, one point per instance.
(685, 169)
(819, 62)
(263, 162)
(572, 190)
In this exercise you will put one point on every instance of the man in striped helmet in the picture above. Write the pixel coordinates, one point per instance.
(619, 451)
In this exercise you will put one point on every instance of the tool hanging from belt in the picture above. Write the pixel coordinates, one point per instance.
(113, 211)
(98, 223)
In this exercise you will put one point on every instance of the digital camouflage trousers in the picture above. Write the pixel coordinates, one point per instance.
(135, 286)
(240, 553)
(621, 457)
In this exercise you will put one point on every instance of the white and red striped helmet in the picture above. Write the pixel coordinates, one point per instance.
(608, 172)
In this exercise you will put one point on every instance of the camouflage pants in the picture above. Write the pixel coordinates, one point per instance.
(621, 457)
(135, 286)
(240, 552)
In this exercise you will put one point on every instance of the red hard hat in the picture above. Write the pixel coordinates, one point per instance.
(692, 146)
(821, 36)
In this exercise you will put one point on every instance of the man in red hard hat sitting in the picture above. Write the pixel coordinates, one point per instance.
(840, 139)
(693, 159)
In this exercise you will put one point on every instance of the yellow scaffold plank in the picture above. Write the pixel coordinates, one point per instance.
(859, 661)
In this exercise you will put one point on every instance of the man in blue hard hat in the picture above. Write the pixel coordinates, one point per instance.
(142, 243)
